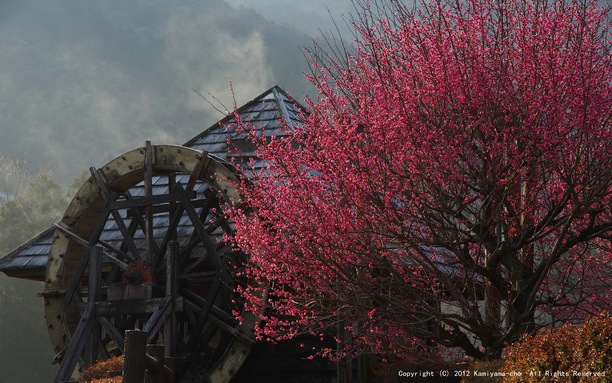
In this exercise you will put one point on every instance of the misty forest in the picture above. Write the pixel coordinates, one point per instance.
(82, 82)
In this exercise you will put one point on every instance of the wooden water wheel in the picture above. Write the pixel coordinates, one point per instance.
(140, 246)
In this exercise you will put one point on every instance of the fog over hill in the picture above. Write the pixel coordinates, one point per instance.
(82, 82)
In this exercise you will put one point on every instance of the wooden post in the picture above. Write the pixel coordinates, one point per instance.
(93, 295)
(134, 363)
(148, 186)
(171, 291)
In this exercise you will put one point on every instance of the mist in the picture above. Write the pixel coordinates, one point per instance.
(82, 82)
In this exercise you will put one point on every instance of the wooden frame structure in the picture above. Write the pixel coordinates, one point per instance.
(166, 269)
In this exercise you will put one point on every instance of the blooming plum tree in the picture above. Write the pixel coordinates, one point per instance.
(453, 179)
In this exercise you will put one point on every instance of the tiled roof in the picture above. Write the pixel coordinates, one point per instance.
(29, 260)
(267, 111)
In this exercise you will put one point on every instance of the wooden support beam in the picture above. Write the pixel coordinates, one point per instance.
(93, 295)
(134, 307)
(77, 344)
(107, 257)
(171, 292)
(165, 199)
(148, 186)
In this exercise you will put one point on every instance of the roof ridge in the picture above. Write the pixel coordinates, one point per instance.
(274, 90)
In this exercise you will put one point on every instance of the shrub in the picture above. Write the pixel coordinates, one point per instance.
(98, 372)
(566, 354)
(486, 367)
(116, 379)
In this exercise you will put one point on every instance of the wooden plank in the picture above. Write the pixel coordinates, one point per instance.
(133, 307)
(164, 199)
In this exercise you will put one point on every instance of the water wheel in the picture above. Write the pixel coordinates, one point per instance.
(140, 246)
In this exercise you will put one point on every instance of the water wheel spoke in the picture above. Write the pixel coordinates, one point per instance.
(202, 261)
(137, 212)
(114, 334)
(77, 346)
(127, 236)
(108, 257)
(175, 214)
(198, 277)
(206, 240)
(205, 308)
(208, 202)
(156, 322)
(78, 275)
(110, 197)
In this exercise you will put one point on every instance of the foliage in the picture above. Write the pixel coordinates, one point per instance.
(35, 210)
(22, 321)
(554, 355)
(98, 371)
(114, 379)
(456, 166)
(482, 371)
(14, 177)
